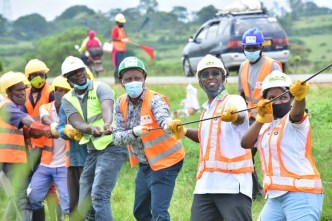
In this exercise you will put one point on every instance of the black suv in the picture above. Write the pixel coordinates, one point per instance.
(222, 36)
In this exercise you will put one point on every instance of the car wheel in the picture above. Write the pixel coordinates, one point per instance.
(186, 68)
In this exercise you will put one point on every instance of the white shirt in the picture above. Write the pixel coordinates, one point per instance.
(59, 144)
(219, 182)
(292, 148)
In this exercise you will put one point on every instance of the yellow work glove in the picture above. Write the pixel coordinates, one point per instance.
(299, 90)
(176, 128)
(265, 111)
(69, 131)
(54, 132)
(78, 136)
(227, 116)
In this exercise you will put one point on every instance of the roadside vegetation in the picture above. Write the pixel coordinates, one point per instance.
(308, 27)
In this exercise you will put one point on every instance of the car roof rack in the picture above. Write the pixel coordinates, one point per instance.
(225, 13)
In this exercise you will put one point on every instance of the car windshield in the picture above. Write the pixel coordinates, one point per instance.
(266, 24)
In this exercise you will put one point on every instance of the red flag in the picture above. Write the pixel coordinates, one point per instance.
(149, 50)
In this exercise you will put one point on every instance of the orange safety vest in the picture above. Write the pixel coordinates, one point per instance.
(252, 99)
(12, 144)
(217, 161)
(277, 176)
(33, 111)
(161, 149)
(119, 45)
(47, 153)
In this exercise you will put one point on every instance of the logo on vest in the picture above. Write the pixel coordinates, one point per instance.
(92, 98)
(146, 120)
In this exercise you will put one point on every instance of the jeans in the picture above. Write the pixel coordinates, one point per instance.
(40, 185)
(154, 190)
(293, 206)
(98, 179)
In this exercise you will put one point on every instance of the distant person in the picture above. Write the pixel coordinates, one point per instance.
(119, 40)
(282, 134)
(93, 42)
(251, 75)
(224, 187)
(158, 154)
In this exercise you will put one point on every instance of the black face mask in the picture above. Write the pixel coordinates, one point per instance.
(121, 25)
(280, 110)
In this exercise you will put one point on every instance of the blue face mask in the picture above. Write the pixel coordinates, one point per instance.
(134, 89)
(213, 93)
(252, 56)
(82, 87)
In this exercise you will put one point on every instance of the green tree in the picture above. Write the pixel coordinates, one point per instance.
(30, 27)
(205, 14)
(181, 13)
(74, 11)
(3, 25)
(148, 6)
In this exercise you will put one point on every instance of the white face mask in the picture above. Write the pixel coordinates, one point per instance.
(134, 88)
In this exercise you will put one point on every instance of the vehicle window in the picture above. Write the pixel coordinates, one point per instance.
(213, 30)
(201, 35)
(266, 24)
(222, 26)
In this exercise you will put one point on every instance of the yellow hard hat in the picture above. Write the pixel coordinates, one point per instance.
(34, 66)
(60, 82)
(120, 18)
(89, 73)
(11, 78)
(210, 61)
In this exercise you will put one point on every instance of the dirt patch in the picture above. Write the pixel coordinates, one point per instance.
(319, 85)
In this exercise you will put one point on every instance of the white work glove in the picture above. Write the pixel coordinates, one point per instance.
(125, 40)
(54, 132)
(166, 127)
(139, 131)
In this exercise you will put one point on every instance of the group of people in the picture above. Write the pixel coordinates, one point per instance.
(69, 140)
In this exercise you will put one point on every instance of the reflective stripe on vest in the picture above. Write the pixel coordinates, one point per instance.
(94, 116)
(119, 45)
(256, 96)
(47, 153)
(12, 144)
(276, 175)
(161, 149)
(213, 160)
(33, 111)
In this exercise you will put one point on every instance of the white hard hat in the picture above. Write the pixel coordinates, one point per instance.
(70, 64)
(276, 79)
(210, 61)
(120, 18)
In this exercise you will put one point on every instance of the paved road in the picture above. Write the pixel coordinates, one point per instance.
(321, 78)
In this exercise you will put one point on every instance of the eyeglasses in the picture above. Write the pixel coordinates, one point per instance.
(206, 74)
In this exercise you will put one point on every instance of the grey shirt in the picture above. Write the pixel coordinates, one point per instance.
(253, 74)
(104, 92)
(122, 133)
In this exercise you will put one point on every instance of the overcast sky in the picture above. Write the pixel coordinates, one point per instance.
(52, 8)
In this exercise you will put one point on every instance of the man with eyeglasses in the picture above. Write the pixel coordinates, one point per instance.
(224, 184)
(252, 72)
(89, 108)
